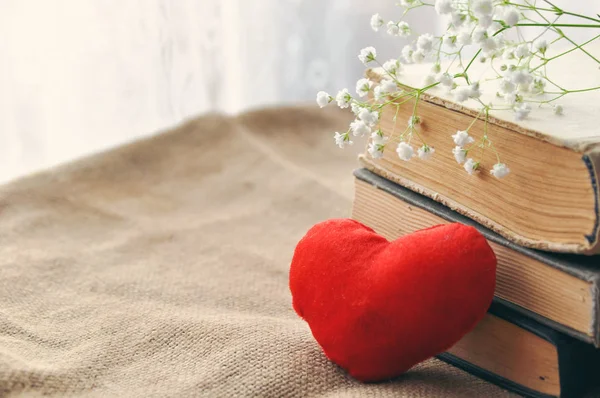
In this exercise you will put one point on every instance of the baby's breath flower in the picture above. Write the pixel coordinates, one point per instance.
(392, 67)
(558, 109)
(499, 170)
(367, 54)
(342, 140)
(446, 80)
(425, 42)
(435, 68)
(363, 86)
(521, 51)
(471, 166)
(457, 19)
(428, 80)
(405, 151)
(356, 108)
(407, 52)
(359, 128)
(462, 93)
(463, 38)
(511, 16)
(343, 98)
(443, 6)
(413, 121)
(506, 86)
(540, 45)
(462, 138)
(485, 21)
(378, 138)
(449, 40)
(388, 86)
(368, 117)
(511, 98)
(459, 154)
(522, 111)
(537, 86)
(323, 98)
(376, 22)
(475, 91)
(376, 150)
(425, 152)
(479, 35)
(398, 29)
(418, 56)
(482, 8)
(520, 77)
(407, 3)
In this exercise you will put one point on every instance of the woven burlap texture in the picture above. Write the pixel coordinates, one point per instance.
(160, 269)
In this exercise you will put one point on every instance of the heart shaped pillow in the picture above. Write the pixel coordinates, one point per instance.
(376, 307)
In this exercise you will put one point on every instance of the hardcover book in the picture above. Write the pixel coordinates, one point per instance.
(550, 200)
(560, 291)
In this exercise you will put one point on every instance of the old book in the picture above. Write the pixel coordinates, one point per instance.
(521, 355)
(560, 291)
(550, 201)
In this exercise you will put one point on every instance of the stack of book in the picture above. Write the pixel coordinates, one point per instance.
(542, 331)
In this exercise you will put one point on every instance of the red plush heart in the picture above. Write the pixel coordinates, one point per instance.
(377, 308)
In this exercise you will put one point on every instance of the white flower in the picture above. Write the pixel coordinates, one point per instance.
(558, 109)
(471, 166)
(462, 138)
(356, 108)
(406, 3)
(499, 170)
(369, 118)
(521, 77)
(405, 151)
(522, 111)
(482, 8)
(418, 56)
(428, 80)
(493, 28)
(363, 86)
(511, 16)
(407, 53)
(323, 98)
(459, 154)
(413, 121)
(540, 45)
(376, 22)
(342, 140)
(443, 6)
(462, 93)
(510, 98)
(398, 28)
(392, 67)
(537, 86)
(343, 98)
(378, 94)
(457, 19)
(475, 92)
(425, 152)
(425, 42)
(378, 138)
(359, 128)
(463, 38)
(449, 40)
(367, 55)
(479, 35)
(435, 68)
(375, 150)
(521, 51)
(489, 45)
(446, 80)
(485, 21)
(387, 86)
(506, 86)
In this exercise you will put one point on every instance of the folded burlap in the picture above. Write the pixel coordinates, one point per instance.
(161, 268)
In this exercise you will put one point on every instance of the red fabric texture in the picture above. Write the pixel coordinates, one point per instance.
(377, 308)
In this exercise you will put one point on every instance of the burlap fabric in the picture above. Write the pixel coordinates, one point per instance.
(160, 269)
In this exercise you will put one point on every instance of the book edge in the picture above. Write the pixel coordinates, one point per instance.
(578, 146)
(589, 249)
(583, 272)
